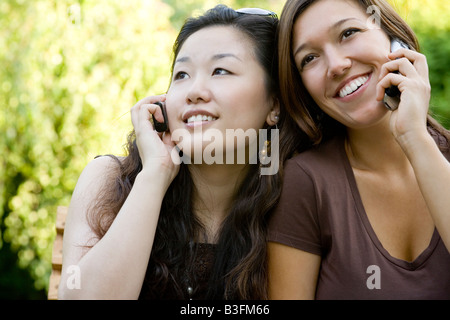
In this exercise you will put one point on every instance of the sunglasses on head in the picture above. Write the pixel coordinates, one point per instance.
(257, 11)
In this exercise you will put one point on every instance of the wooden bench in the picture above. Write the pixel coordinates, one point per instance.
(55, 277)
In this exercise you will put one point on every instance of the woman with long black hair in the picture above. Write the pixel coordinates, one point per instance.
(146, 226)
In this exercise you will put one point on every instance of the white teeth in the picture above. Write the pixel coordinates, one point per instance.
(200, 118)
(353, 86)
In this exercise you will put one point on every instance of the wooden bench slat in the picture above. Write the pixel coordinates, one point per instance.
(55, 277)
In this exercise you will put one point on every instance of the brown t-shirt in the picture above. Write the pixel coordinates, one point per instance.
(321, 212)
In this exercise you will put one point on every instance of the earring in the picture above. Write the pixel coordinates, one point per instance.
(276, 117)
(266, 148)
(263, 153)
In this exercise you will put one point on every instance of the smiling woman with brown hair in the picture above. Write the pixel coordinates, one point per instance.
(364, 213)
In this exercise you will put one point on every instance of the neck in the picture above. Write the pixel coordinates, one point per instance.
(375, 149)
(215, 188)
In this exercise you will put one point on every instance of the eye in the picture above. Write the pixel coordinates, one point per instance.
(307, 59)
(181, 75)
(349, 32)
(220, 72)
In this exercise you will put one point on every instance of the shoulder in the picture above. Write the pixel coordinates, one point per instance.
(97, 171)
(310, 181)
(94, 177)
(100, 168)
(92, 180)
(320, 160)
(309, 175)
(320, 174)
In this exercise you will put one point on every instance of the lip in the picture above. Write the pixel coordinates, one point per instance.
(195, 112)
(347, 81)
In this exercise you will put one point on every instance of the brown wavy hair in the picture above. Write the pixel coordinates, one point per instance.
(240, 266)
(315, 124)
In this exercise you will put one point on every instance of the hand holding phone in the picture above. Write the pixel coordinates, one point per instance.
(161, 126)
(392, 94)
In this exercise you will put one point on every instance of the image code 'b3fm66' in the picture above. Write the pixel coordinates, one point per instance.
(227, 309)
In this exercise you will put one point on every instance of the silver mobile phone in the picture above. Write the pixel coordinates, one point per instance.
(392, 94)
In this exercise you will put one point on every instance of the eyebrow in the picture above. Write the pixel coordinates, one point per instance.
(214, 57)
(335, 25)
(225, 55)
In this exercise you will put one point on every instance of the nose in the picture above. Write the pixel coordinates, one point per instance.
(198, 91)
(338, 62)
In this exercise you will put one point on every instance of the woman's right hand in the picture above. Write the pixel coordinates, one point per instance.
(115, 264)
(155, 149)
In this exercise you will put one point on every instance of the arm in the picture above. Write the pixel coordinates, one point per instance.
(408, 125)
(115, 266)
(432, 172)
(292, 273)
(294, 237)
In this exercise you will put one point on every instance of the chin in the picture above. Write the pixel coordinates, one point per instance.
(368, 117)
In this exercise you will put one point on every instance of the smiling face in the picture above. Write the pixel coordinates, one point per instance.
(217, 84)
(339, 59)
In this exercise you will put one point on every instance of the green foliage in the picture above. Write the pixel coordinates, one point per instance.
(436, 46)
(70, 72)
(187, 8)
(430, 20)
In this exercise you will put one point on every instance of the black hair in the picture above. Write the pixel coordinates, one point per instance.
(239, 269)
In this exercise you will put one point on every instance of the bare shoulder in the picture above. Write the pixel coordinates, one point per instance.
(100, 166)
(91, 182)
(95, 174)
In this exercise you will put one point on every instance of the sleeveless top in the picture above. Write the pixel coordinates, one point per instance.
(192, 289)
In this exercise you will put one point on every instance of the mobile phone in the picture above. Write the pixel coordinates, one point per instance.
(161, 126)
(392, 94)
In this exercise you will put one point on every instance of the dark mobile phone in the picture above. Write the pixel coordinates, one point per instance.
(161, 126)
(392, 94)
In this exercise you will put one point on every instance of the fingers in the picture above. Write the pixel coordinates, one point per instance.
(407, 67)
(152, 99)
(141, 112)
(141, 117)
(418, 60)
(392, 79)
(408, 63)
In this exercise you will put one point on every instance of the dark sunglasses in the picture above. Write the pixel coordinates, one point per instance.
(257, 11)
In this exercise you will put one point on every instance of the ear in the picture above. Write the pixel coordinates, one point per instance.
(274, 115)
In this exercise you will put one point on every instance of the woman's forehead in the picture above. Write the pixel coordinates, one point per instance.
(216, 40)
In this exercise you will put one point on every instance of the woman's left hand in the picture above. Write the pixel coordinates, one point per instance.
(413, 82)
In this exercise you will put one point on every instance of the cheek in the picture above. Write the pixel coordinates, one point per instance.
(313, 83)
(373, 48)
(173, 104)
(253, 112)
(249, 107)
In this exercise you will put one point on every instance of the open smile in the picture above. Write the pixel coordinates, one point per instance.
(352, 86)
(200, 118)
